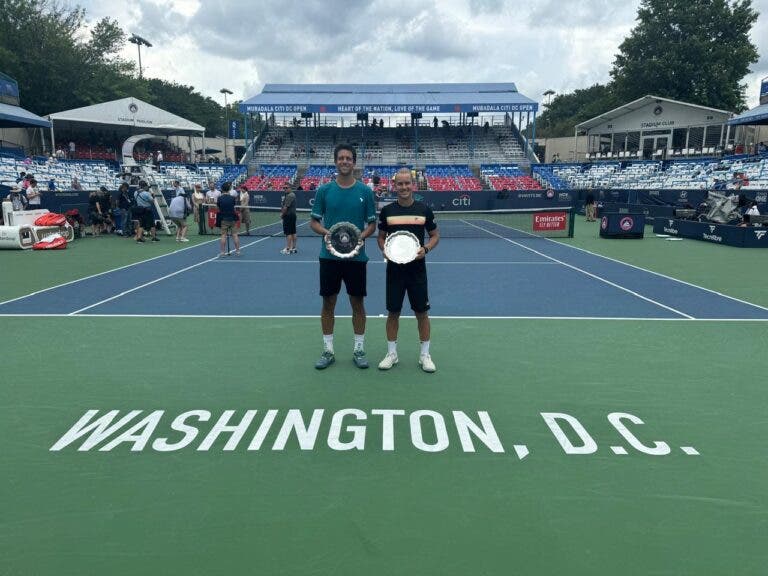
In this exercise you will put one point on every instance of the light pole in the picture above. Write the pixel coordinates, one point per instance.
(548, 95)
(139, 41)
(225, 91)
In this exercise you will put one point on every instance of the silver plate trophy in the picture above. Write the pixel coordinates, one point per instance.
(401, 247)
(343, 240)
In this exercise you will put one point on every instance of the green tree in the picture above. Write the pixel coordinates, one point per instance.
(567, 110)
(691, 50)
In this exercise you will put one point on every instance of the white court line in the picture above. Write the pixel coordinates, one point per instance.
(106, 272)
(577, 269)
(430, 262)
(156, 280)
(382, 317)
(660, 275)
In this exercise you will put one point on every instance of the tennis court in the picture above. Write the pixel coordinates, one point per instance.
(597, 409)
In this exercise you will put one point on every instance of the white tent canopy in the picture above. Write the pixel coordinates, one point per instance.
(129, 112)
(129, 115)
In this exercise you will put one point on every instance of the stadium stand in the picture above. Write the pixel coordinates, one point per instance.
(447, 178)
(507, 177)
(272, 177)
(671, 174)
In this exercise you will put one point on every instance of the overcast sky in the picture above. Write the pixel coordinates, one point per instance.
(241, 45)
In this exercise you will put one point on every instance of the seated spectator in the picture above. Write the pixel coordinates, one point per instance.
(18, 199)
(76, 184)
(751, 211)
(51, 185)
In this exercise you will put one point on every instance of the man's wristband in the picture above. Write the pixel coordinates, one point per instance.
(426, 250)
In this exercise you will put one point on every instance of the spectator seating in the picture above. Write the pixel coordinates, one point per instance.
(272, 177)
(671, 174)
(448, 178)
(507, 177)
(316, 176)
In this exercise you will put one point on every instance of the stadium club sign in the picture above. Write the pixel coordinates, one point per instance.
(344, 430)
(387, 108)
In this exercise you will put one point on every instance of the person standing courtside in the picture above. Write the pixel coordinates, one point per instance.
(288, 214)
(343, 200)
(227, 205)
(415, 217)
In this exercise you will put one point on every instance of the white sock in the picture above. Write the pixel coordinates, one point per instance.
(359, 342)
(425, 347)
(328, 342)
(392, 347)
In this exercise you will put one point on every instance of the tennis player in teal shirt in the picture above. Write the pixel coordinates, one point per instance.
(343, 200)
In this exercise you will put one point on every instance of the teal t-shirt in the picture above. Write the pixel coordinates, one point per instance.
(335, 204)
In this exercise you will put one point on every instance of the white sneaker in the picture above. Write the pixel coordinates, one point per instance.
(425, 361)
(389, 360)
(285, 251)
(183, 239)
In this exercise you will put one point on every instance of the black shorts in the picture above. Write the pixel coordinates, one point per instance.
(289, 224)
(145, 217)
(410, 278)
(352, 272)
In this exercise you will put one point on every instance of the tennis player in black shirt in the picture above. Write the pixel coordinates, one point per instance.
(415, 217)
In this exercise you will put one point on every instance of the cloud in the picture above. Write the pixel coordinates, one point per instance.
(540, 45)
(434, 37)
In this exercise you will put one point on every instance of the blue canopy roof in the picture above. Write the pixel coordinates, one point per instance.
(755, 116)
(389, 98)
(14, 117)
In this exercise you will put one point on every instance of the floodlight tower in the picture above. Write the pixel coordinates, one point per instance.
(139, 41)
(226, 91)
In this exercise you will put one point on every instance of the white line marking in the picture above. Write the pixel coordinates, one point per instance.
(156, 280)
(690, 450)
(619, 450)
(106, 272)
(521, 450)
(658, 274)
(373, 316)
(429, 262)
(596, 277)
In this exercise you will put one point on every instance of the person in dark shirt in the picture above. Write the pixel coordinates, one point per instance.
(226, 203)
(415, 217)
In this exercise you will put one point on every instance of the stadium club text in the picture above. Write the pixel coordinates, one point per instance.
(425, 430)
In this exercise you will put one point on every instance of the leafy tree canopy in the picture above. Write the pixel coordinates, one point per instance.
(43, 48)
(694, 51)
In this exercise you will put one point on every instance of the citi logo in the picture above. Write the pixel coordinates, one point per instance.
(463, 200)
(760, 234)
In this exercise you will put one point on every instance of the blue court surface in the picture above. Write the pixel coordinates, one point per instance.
(493, 278)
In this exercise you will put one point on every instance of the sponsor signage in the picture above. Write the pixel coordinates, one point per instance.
(548, 221)
(740, 236)
(386, 108)
(234, 129)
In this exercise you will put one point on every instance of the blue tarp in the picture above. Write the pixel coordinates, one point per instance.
(15, 117)
(389, 98)
(757, 115)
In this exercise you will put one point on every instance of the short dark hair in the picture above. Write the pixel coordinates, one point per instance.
(348, 148)
(226, 187)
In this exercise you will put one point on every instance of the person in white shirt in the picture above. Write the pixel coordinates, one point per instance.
(178, 189)
(34, 196)
(212, 195)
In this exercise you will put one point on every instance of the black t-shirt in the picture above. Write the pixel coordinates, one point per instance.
(226, 204)
(415, 218)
